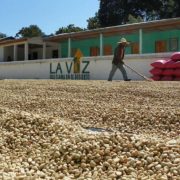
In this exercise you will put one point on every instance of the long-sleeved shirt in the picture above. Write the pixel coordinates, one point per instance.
(118, 54)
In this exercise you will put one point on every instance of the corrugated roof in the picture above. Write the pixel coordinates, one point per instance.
(121, 29)
(12, 41)
(6, 38)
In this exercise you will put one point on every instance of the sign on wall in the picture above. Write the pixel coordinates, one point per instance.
(75, 70)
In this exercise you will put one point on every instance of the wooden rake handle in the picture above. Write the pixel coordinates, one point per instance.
(144, 77)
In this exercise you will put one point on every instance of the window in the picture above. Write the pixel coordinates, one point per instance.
(135, 48)
(94, 51)
(107, 50)
(55, 54)
(173, 44)
(161, 46)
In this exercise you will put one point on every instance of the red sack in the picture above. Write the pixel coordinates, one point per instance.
(176, 65)
(159, 63)
(176, 79)
(168, 72)
(156, 71)
(167, 78)
(175, 56)
(170, 64)
(156, 78)
(177, 72)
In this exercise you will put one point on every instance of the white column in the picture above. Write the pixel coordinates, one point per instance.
(44, 50)
(26, 51)
(101, 44)
(69, 47)
(15, 53)
(140, 41)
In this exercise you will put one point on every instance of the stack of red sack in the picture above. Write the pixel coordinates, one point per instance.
(167, 69)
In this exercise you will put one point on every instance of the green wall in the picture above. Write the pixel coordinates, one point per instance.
(149, 39)
(114, 39)
(84, 45)
(64, 49)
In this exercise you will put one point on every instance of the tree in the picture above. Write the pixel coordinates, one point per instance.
(29, 32)
(70, 28)
(177, 8)
(93, 22)
(113, 12)
(146, 10)
(168, 9)
(162, 9)
(2, 35)
(132, 19)
(117, 12)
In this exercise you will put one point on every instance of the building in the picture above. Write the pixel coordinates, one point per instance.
(23, 49)
(149, 40)
(147, 37)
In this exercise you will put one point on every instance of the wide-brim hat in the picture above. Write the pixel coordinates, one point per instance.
(123, 40)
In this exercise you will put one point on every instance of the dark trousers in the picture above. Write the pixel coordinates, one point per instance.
(113, 70)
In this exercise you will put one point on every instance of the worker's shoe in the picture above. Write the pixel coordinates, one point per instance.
(127, 80)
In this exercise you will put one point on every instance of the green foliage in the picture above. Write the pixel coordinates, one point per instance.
(113, 12)
(132, 19)
(117, 12)
(93, 22)
(2, 35)
(70, 28)
(177, 8)
(167, 9)
(29, 32)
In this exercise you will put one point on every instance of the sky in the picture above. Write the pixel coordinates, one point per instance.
(48, 15)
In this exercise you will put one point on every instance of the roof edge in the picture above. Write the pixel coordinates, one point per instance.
(133, 25)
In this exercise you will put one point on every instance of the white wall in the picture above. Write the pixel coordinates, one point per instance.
(99, 67)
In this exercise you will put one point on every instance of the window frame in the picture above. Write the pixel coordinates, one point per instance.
(107, 50)
(132, 46)
(94, 51)
(161, 41)
(171, 44)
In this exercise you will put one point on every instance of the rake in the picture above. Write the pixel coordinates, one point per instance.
(146, 78)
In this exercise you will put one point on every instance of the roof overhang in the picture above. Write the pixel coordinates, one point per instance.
(13, 41)
(158, 25)
(10, 42)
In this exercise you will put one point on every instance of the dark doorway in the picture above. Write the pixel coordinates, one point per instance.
(35, 55)
(55, 54)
